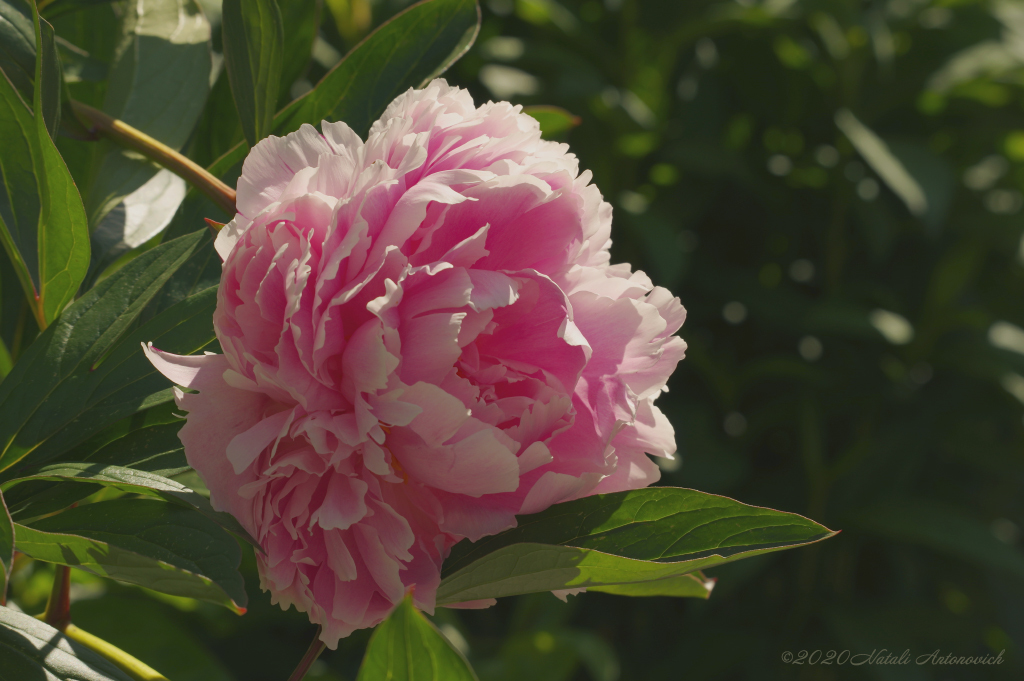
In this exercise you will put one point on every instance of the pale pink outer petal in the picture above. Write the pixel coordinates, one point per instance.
(217, 413)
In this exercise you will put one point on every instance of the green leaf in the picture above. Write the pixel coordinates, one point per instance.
(219, 128)
(31, 649)
(612, 539)
(147, 446)
(88, 371)
(554, 120)
(253, 57)
(42, 221)
(137, 482)
(158, 84)
(6, 545)
(412, 48)
(139, 217)
(18, 46)
(18, 59)
(301, 22)
(407, 647)
(56, 8)
(405, 52)
(694, 585)
(154, 544)
(49, 81)
(151, 445)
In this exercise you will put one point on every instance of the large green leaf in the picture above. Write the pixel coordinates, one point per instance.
(405, 52)
(152, 445)
(56, 8)
(301, 22)
(133, 481)
(87, 371)
(147, 441)
(407, 647)
(154, 544)
(31, 649)
(409, 50)
(253, 57)
(42, 221)
(158, 84)
(612, 539)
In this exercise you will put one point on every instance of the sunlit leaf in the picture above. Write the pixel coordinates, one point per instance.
(406, 647)
(134, 481)
(154, 544)
(158, 85)
(31, 649)
(643, 535)
(694, 585)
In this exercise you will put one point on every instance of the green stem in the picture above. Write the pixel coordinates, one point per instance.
(127, 136)
(136, 669)
(315, 648)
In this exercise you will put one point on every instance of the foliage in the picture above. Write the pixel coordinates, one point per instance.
(833, 188)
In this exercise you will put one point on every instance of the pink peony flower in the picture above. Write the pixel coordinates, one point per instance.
(422, 338)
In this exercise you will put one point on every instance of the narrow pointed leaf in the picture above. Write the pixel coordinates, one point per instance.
(407, 647)
(48, 86)
(414, 46)
(154, 544)
(31, 649)
(18, 59)
(18, 46)
(407, 51)
(137, 482)
(152, 448)
(610, 539)
(42, 220)
(254, 57)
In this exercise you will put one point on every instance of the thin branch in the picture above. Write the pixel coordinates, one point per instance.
(315, 648)
(136, 669)
(127, 136)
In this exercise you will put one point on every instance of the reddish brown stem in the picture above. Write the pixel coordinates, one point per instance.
(315, 648)
(58, 608)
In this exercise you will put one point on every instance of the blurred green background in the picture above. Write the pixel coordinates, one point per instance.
(834, 190)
